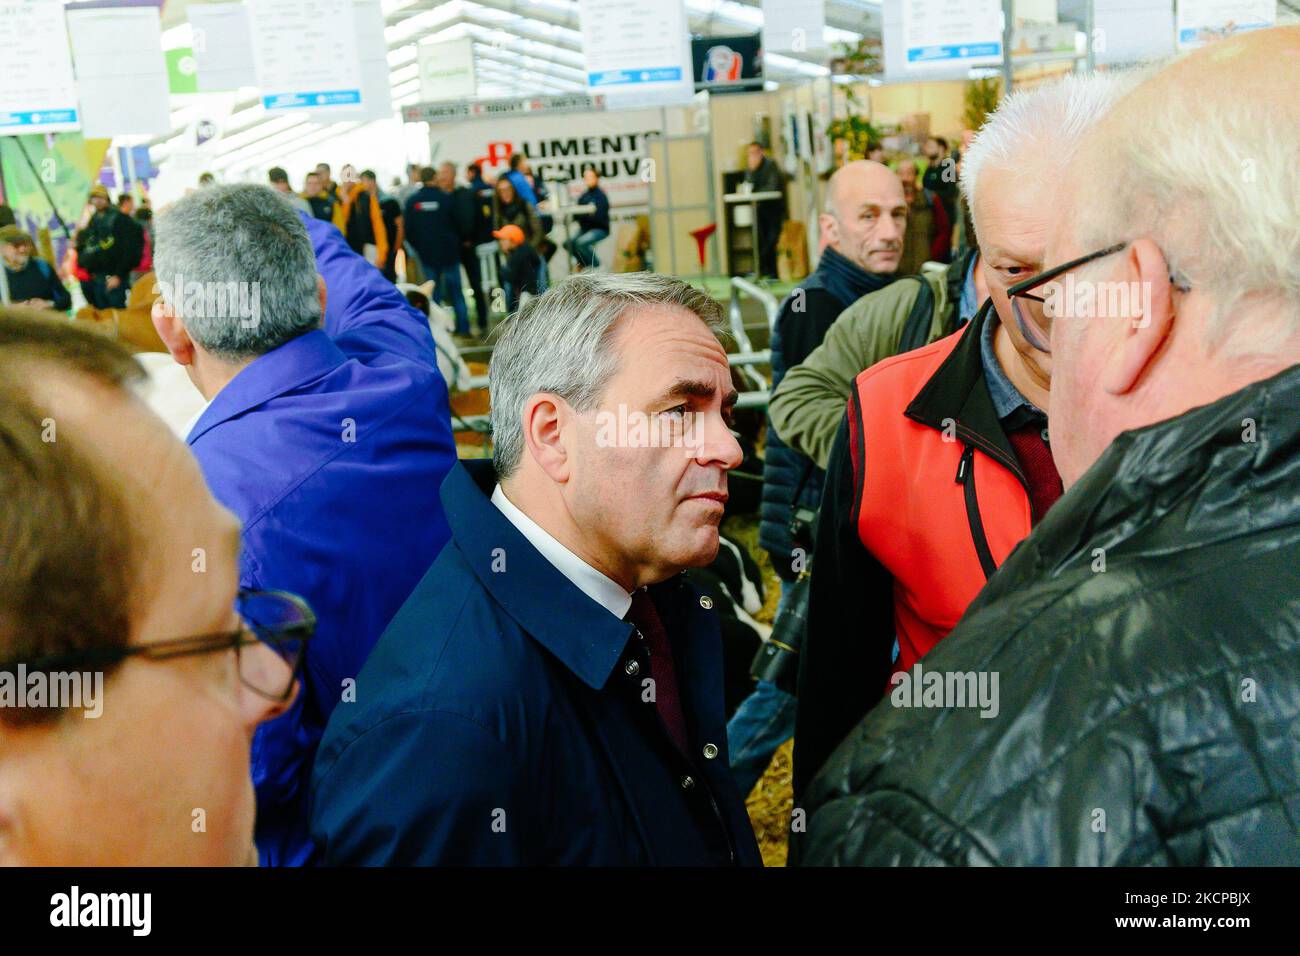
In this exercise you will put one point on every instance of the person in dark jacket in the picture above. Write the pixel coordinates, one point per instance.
(940, 177)
(593, 227)
(31, 280)
(863, 224)
(435, 235)
(943, 461)
(520, 268)
(763, 175)
(108, 247)
(474, 226)
(552, 691)
(509, 209)
(318, 197)
(1145, 636)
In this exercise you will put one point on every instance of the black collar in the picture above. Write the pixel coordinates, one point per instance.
(957, 393)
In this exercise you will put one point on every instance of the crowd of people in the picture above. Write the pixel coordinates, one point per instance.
(1040, 536)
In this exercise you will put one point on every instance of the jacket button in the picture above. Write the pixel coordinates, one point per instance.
(706, 602)
(1045, 438)
(710, 751)
(631, 668)
(688, 782)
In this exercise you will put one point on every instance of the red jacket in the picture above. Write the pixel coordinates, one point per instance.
(924, 499)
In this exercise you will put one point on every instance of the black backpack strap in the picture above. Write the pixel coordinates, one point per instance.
(916, 331)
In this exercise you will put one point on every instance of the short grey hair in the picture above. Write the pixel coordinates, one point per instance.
(1047, 122)
(562, 342)
(226, 235)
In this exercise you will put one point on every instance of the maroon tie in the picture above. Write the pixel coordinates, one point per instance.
(668, 702)
(1036, 459)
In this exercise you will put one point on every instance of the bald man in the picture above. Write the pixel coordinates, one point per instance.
(862, 233)
(1144, 637)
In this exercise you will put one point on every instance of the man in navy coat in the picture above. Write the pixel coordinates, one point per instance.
(552, 691)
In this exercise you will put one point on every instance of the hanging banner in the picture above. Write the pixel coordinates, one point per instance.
(121, 70)
(447, 70)
(438, 112)
(372, 51)
(37, 90)
(728, 64)
(613, 142)
(1130, 31)
(223, 46)
(637, 52)
(1203, 21)
(794, 26)
(306, 55)
(938, 39)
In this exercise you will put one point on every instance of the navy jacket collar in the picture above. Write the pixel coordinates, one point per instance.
(584, 636)
(281, 370)
(846, 280)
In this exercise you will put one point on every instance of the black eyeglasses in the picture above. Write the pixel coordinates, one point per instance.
(282, 621)
(1031, 317)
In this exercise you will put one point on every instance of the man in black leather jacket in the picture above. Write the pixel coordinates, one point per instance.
(1126, 688)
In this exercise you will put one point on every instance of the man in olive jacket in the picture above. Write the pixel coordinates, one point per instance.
(1129, 688)
(808, 404)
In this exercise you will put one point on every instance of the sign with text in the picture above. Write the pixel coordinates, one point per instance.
(438, 112)
(637, 52)
(1203, 21)
(306, 55)
(121, 70)
(37, 90)
(223, 45)
(447, 70)
(612, 142)
(372, 51)
(940, 38)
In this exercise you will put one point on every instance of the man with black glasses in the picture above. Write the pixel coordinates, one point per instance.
(943, 463)
(1146, 633)
(132, 671)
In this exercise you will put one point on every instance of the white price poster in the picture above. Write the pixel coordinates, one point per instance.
(938, 35)
(38, 93)
(637, 52)
(121, 71)
(222, 44)
(372, 51)
(1201, 21)
(306, 55)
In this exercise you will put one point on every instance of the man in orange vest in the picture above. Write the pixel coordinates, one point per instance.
(943, 463)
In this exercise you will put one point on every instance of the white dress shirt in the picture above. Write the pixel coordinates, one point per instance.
(606, 592)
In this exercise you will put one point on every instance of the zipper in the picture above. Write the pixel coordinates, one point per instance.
(966, 478)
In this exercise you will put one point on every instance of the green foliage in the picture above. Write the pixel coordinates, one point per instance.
(981, 99)
(858, 132)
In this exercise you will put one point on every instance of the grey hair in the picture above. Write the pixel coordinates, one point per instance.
(245, 246)
(1047, 122)
(561, 342)
(1211, 176)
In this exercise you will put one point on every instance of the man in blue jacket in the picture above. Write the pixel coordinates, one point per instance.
(329, 443)
(552, 692)
(436, 232)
